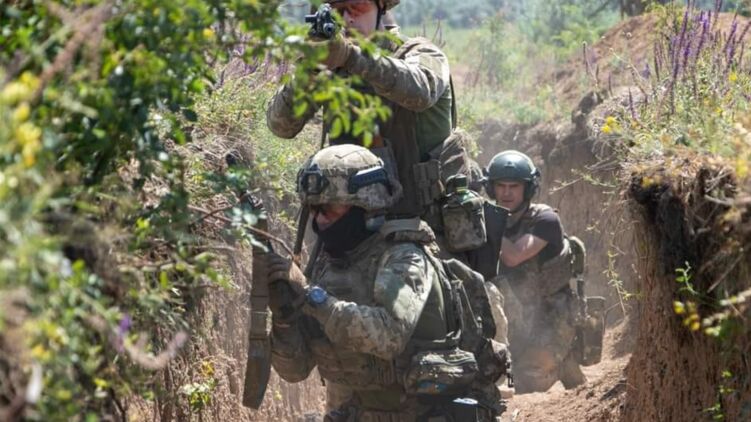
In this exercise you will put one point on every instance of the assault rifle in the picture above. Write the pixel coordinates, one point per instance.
(322, 23)
(258, 364)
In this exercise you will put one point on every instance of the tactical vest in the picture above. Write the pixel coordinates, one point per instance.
(353, 281)
(414, 144)
(534, 281)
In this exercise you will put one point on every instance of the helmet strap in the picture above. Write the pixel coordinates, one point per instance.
(381, 12)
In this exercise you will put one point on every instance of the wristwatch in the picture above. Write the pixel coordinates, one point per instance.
(316, 296)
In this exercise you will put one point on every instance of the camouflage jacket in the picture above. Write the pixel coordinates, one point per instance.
(385, 293)
(414, 81)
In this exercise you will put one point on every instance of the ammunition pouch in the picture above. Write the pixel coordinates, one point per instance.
(427, 176)
(590, 332)
(448, 372)
(464, 221)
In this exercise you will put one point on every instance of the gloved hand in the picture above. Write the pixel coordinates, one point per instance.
(279, 268)
(340, 48)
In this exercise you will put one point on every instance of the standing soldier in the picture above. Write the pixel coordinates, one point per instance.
(413, 80)
(536, 262)
(376, 317)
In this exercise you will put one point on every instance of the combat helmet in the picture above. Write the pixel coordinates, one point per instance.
(347, 174)
(513, 165)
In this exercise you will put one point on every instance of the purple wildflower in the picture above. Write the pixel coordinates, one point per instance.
(125, 323)
(646, 73)
(686, 54)
(118, 339)
(731, 37)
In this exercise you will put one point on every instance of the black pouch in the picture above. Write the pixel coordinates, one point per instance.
(440, 372)
(458, 410)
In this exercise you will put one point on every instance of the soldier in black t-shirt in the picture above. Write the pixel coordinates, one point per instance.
(535, 271)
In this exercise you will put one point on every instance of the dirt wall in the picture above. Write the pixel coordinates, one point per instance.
(678, 374)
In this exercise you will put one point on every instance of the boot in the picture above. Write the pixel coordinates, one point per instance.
(570, 373)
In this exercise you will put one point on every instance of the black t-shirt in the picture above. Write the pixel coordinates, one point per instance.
(547, 226)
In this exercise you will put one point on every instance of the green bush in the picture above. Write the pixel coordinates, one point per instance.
(102, 251)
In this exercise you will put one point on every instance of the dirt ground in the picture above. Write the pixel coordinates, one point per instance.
(600, 399)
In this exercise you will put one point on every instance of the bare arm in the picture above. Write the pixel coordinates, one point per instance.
(523, 249)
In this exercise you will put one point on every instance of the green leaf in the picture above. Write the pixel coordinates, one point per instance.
(336, 128)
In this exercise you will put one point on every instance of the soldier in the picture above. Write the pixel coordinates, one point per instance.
(414, 81)
(536, 263)
(373, 303)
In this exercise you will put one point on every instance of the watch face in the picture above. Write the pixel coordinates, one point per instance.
(317, 295)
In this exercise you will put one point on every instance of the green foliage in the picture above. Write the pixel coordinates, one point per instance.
(464, 14)
(102, 257)
(716, 411)
(696, 90)
(509, 65)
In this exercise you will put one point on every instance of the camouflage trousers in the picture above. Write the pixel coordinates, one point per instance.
(541, 339)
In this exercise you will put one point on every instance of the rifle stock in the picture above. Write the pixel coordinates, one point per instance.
(258, 364)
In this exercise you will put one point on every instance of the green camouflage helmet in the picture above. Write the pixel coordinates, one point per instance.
(514, 165)
(347, 174)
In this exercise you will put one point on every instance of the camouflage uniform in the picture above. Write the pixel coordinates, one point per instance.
(383, 295)
(384, 299)
(543, 328)
(414, 81)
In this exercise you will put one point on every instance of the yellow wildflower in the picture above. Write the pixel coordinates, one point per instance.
(28, 134)
(31, 81)
(606, 129)
(21, 113)
(207, 368)
(208, 34)
(733, 77)
(40, 353)
(29, 153)
(15, 92)
(610, 120)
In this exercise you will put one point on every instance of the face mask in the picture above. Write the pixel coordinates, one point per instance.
(345, 234)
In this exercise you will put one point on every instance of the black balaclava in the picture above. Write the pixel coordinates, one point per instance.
(345, 234)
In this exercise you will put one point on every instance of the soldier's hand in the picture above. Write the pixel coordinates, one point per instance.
(340, 48)
(279, 268)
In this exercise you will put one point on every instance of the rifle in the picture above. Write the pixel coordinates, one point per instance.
(323, 25)
(258, 365)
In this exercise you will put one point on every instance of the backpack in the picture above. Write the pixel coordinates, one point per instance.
(468, 358)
